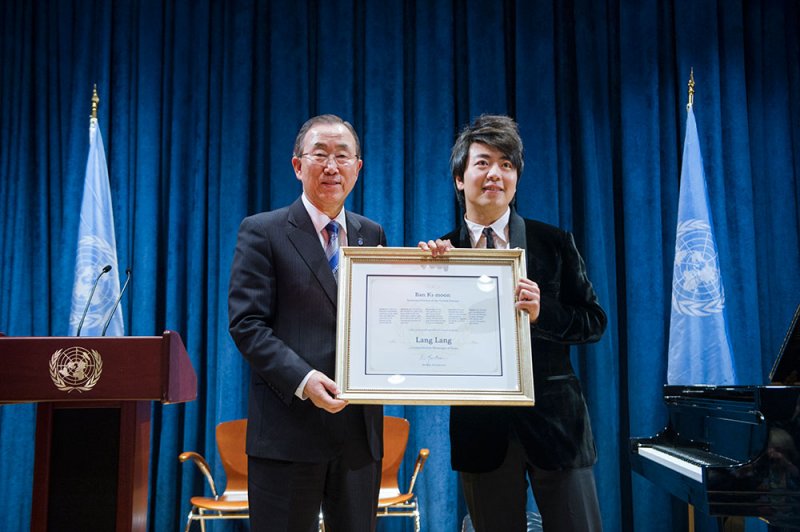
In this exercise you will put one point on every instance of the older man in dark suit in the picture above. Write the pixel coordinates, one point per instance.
(495, 448)
(305, 449)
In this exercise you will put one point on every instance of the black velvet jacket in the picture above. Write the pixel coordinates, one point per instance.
(556, 432)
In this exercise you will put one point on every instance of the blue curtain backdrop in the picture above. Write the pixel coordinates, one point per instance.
(200, 102)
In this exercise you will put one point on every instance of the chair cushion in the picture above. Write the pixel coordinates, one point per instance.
(383, 502)
(234, 502)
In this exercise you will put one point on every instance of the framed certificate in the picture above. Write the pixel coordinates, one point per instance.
(413, 329)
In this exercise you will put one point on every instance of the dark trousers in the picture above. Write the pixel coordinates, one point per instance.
(567, 500)
(288, 496)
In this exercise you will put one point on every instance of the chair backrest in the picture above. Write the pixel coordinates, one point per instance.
(395, 439)
(231, 446)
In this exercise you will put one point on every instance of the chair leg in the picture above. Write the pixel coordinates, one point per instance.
(416, 521)
(202, 521)
(189, 520)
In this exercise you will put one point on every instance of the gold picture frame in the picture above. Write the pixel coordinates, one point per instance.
(413, 329)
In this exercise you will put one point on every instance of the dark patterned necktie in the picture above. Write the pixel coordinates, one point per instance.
(332, 249)
(489, 234)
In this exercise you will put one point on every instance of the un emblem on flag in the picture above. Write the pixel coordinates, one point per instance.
(93, 252)
(75, 368)
(696, 284)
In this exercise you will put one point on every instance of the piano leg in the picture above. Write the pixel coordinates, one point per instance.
(728, 523)
(731, 524)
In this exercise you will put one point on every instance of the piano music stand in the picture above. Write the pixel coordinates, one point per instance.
(786, 369)
(92, 445)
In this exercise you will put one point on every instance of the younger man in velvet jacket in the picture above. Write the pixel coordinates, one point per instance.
(494, 448)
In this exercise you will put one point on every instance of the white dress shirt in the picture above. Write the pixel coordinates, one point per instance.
(500, 228)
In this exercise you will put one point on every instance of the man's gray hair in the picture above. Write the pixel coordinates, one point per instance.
(323, 119)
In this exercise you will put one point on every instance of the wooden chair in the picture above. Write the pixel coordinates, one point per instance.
(392, 502)
(232, 504)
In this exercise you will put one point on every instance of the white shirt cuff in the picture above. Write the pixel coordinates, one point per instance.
(299, 391)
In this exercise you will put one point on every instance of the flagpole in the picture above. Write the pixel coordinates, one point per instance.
(689, 106)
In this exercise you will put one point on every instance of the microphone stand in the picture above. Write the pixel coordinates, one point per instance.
(116, 303)
(106, 269)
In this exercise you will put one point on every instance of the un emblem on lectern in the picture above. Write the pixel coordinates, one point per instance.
(75, 368)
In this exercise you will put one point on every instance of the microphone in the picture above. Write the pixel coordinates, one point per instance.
(105, 270)
(116, 303)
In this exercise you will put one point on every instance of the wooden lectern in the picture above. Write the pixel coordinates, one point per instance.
(93, 421)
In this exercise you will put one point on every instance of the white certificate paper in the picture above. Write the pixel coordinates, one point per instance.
(433, 325)
(417, 330)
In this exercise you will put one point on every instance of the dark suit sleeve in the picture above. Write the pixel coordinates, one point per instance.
(382, 237)
(252, 312)
(570, 313)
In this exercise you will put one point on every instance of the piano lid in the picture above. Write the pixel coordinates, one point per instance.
(786, 369)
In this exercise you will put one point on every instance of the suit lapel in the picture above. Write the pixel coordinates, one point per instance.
(463, 240)
(303, 236)
(354, 236)
(516, 231)
(520, 237)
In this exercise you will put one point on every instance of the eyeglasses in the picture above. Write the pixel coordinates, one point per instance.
(322, 159)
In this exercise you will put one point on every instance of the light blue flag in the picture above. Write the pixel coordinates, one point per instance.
(699, 349)
(97, 247)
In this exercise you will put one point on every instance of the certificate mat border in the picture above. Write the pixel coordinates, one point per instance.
(350, 257)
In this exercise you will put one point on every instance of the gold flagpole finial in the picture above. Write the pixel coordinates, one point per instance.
(95, 101)
(691, 89)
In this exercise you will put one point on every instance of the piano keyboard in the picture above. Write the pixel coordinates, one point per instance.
(687, 461)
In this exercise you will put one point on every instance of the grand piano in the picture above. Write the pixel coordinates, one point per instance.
(733, 450)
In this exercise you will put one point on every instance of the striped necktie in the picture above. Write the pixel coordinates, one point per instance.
(332, 248)
(489, 234)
